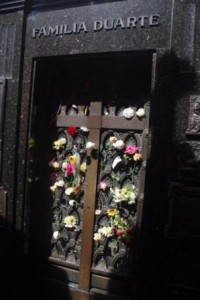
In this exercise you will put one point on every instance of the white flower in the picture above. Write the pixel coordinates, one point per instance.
(97, 236)
(128, 113)
(62, 141)
(119, 144)
(72, 202)
(64, 165)
(116, 161)
(56, 234)
(69, 191)
(70, 221)
(140, 112)
(84, 129)
(112, 139)
(132, 198)
(90, 145)
(106, 231)
(60, 183)
(116, 194)
(97, 212)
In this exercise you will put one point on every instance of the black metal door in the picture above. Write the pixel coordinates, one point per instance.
(97, 188)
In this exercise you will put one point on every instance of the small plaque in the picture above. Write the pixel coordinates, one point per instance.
(3, 204)
(194, 116)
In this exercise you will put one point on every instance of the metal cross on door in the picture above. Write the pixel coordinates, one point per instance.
(97, 212)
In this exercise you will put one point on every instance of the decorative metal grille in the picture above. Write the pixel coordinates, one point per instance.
(68, 178)
(116, 200)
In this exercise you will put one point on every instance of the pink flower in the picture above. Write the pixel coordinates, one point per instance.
(102, 185)
(131, 150)
(69, 169)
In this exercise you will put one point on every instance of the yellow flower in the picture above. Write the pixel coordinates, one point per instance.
(53, 188)
(137, 156)
(83, 167)
(57, 145)
(72, 160)
(111, 212)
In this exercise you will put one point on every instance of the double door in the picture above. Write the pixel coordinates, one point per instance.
(92, 191)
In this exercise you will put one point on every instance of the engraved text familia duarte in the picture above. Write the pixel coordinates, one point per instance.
(107, 24)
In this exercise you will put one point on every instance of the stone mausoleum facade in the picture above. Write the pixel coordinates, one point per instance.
(100, 149)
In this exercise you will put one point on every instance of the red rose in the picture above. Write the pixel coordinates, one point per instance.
(71, 130)
(119, 232)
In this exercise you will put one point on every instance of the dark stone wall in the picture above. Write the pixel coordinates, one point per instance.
(10, 59)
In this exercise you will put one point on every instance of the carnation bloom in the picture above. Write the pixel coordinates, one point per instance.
(71, 131)
(64, 164)
(119, 232)
(128, 113)
(63, 141)
(112, 139)
(55, 164)
(56, 234)
(90, 145)
(119, 144)
(70, 221)
(69, 169)
(131, 150)
(97, 212)
(72, 202)
(97, 236)
(140, 112)
(102, 185)
(84, 129)
(59, 183)
(69, 191)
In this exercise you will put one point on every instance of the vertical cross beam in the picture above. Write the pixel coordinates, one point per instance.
(89, 200)
(93, 123)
